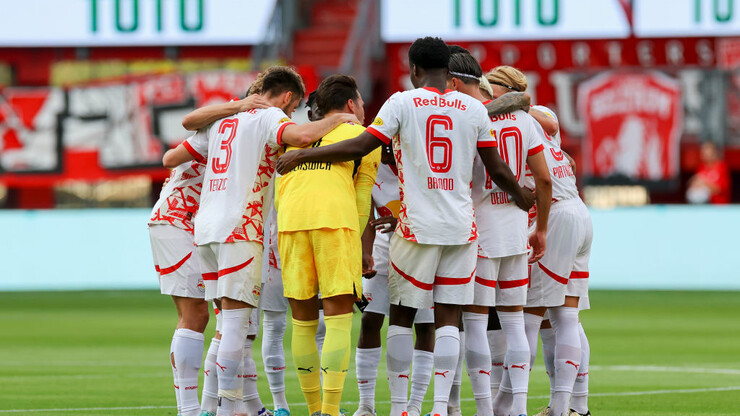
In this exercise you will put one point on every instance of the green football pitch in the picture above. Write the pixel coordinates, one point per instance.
(105, 353)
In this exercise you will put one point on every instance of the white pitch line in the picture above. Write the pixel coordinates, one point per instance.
(731, 371)
(467, 399)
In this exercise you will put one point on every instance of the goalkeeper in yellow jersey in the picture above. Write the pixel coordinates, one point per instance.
(322, 211)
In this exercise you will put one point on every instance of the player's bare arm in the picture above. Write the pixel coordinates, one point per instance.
(305, 134)
(343, 151)
(368, 238)
(571, 160)
(543, 194)
(501, 175)
(511, 101)
(200, 118)
(548, 123)
(176, 157)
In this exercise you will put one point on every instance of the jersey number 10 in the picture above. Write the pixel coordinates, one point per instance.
(509, 144)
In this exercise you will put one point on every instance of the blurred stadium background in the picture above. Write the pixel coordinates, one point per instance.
(92, 92)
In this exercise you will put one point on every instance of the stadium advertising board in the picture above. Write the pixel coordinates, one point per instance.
(633, 125)
(668, 18)
(455, 20)
(44, 23)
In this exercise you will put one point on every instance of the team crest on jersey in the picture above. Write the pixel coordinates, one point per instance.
(378, 121)
(284, 120)
(493, 133)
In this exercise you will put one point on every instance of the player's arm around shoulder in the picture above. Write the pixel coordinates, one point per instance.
(202, 117)
(306, 134)
(194, 148)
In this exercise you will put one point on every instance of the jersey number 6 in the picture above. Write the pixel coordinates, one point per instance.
(218, 165)
(439, 149)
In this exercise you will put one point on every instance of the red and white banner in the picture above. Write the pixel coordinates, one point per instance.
(632, 125)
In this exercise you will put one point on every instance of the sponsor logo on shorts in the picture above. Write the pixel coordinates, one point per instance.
(256, 290)
(201, 286)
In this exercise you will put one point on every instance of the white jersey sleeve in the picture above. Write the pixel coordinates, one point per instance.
(387, 122)
(197, 145)
(275, 121)
(548, 112)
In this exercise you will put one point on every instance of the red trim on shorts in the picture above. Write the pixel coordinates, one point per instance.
(559, 279)
(420, 285)
(579, 275)
(233, 269)
(485, 282)
(536, 150)
(510, 284)
(168, 270)
(210, 276)
(439, 280)
(280, 132)
(380, 136)
(197, 156)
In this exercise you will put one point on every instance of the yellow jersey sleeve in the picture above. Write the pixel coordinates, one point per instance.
(364, 181)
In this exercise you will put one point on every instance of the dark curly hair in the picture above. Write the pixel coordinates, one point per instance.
(429, 53)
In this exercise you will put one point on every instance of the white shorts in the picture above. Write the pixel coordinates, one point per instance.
(176, 262)
(232, 270)
(501, 281)
(272, 298)
(375, 291)
(424, 274)
(564, 268)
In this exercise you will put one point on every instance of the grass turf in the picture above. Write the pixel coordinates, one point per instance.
(105, 353)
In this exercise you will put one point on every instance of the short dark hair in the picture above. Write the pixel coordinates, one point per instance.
(429, 53)
(457, 49)
(465, 67)
(311, 98)
(334, 91)
(281, 79)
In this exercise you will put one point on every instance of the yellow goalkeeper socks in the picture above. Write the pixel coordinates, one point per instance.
(306, 359)
(335, 360)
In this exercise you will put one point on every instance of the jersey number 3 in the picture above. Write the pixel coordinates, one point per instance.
(439, 149)
(219, 165)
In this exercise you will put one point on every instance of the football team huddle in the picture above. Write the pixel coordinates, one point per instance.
(455, 214)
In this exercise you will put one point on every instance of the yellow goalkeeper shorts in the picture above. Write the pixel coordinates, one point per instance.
(324, 260)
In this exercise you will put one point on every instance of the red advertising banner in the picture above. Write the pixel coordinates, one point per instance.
(632, 125)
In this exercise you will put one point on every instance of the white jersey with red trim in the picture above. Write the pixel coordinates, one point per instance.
(435, 139)
(501, 224)
(241, 153)
(552, 115)
(179, 199)
(386, 196)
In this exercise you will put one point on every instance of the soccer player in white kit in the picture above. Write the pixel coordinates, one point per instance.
(229, 227)
(171, 234)
(501, 277)
(435, 133)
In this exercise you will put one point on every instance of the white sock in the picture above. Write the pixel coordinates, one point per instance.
(504, 399)
(250, 395)
(188, 349)
(273, 355)
(548, 356)
(579, 399)
(229, 359)
(517, 358)
(567, 355)
(210, 379)
(320, 332)
(446, 355)
(532, 325)
(478, 359)
(398, 355)
(497, 343)
(367, 361)
(421, 376)
(454, 402)
(174, 372)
